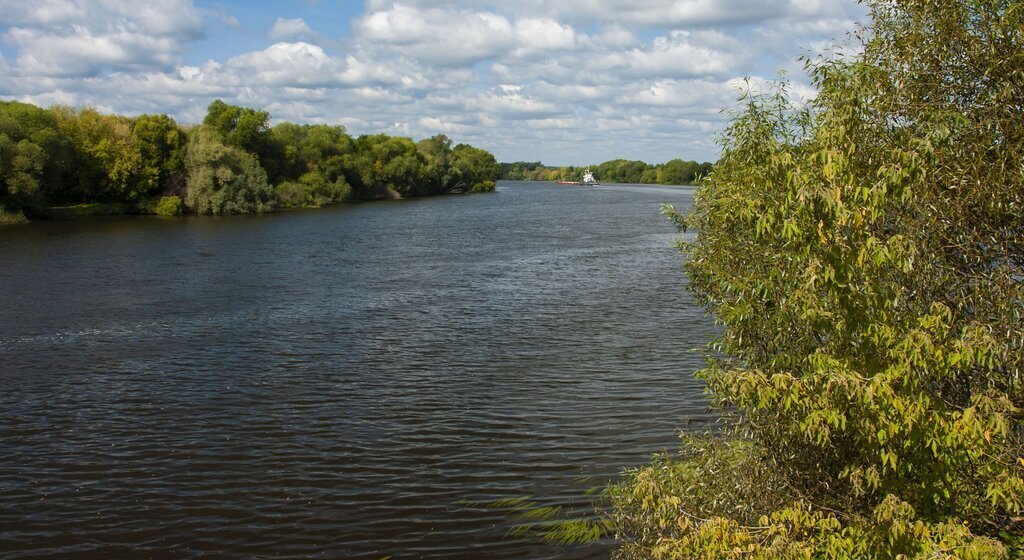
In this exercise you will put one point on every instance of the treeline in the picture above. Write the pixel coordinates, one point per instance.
(673, 172)
(234, 162)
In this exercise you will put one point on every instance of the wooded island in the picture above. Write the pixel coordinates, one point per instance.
(232, 163)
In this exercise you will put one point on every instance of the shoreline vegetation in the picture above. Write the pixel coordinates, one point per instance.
(64, 162)
(673, 172)
(864, 255)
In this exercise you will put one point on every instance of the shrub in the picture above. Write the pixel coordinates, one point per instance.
(224, 179)
(483, 186)
(865, 256)
(169, 206)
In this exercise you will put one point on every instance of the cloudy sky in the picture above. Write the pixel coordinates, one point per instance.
(561, 81)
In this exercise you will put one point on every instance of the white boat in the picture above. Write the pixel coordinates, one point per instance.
(588, 179)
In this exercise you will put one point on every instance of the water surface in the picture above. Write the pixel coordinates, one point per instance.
(337, 383)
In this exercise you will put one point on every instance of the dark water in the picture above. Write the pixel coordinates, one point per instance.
(336, 383)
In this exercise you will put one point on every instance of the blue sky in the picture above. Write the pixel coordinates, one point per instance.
(563, 82)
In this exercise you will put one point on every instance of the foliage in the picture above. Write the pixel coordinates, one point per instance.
(21, 167)
(312, 190)
(438, 173)
(549, 522)
(310, 161)
(385, 167)
(865, 257)
(12, 217)
(476, 169)
(241, 127)
(169, 206)
(86, 209)
(672, 172)
(162, 148)
(34, 157)
(524, 171)
(483, 186)
(83, 161)
(108, 164)
(224, 179)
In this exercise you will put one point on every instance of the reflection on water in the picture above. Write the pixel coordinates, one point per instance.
(336, 383)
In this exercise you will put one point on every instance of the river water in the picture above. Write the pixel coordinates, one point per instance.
(340, 383)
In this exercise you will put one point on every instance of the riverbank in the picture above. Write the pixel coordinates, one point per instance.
(67, 162)
(171, 206)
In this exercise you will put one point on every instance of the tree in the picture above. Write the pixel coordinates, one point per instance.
(385, 166)
(34, 157)
(244, 128)
(310, 164)
(21, 166)
(678, 172)
(108, 163)
(865, 256)
(630, 172)
(438, 174)
(224, 179)
(476, 168)
(162, 148)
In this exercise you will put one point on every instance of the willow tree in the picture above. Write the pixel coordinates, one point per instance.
(224, 179)
(865, 256)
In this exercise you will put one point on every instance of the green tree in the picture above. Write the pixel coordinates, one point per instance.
(476, 168)
(224, 179)
(678, 172)
(310, 163)
(162, 148)
(865, 257)
(630, 172)
(385, 166)
(34, 157)
(438, 174)
(21, 166)
(521, 170)
(108, 162)
(244, 128)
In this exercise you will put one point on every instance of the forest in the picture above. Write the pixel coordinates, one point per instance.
(672, 172)
(61, 159)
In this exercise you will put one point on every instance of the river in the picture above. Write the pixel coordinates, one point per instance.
(338, 383)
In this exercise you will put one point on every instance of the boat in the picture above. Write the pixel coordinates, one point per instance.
(588, 180)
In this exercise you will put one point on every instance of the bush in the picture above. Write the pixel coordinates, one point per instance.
(483, 186)
(169, 206)
(865, 256)
(290, 194)
(224, 179)
(7, 217)
(312, 190)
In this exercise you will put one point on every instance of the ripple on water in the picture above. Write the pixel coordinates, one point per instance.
(338, 383)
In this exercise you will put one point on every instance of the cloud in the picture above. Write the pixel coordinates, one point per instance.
(536, 36)
(696, 12)
(445, 37)
(292, 64)
(285, 29)
(79, 38)
(153, 17)
(680, 54)
(578, 81)
(652, 13)
(697, 95)
(80, 52)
